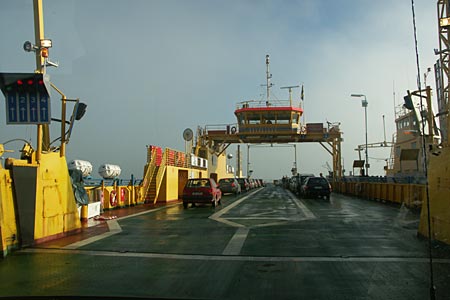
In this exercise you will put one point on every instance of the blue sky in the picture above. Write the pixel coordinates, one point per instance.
(150, 69)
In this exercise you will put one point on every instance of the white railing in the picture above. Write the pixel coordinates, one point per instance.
(264, 103)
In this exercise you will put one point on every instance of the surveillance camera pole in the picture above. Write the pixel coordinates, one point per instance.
(364, 104)
(43, 135)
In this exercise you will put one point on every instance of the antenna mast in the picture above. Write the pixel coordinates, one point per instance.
(268, 84)
(290, 91)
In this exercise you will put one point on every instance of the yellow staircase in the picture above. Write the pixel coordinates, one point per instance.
(153, 177)
(150, 191)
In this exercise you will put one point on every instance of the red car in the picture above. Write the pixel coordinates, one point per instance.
(201, 190)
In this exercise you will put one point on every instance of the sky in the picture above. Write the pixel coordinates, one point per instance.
(148, 69)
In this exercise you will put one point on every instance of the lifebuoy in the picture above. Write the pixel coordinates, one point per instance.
(233, 129)
(112, 198)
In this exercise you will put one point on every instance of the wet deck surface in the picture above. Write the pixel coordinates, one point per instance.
(266, 244)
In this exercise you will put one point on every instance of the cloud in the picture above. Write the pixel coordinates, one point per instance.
(149, 69)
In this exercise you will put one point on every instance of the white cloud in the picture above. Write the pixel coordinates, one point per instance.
(149, 69)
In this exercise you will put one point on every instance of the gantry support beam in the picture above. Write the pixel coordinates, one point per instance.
(218, 140)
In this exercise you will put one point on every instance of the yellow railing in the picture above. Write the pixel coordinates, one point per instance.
(149, 173)
(412, 195)
(160, 174)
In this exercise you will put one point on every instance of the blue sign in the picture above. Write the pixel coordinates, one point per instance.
(11, 108)
(23, 108)
(34, 112)
(27, 97)
(44, 109)
(27, 108)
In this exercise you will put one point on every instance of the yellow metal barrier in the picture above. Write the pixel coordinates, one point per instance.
(111, 197)
(8, 229)
(56, 209)
(439, 192)
(412, 195)
(43, 200)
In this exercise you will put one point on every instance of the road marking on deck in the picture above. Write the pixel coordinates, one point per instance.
(357, 259)
(217, 216)
(308, 214)
(237, 242)
(277, 220)
(114, 228)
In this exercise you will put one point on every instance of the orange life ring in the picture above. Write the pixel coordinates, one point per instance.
(112, 198)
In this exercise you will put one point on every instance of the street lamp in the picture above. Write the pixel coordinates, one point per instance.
(364, 104)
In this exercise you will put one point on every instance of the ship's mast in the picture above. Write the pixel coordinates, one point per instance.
(444, 58)
(268, 84)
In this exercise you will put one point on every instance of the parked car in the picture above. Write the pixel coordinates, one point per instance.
(255, 183)
(251, 184)
(301, 181)
(201, 190)
(245, 185)
(229, 185)
(316, 187)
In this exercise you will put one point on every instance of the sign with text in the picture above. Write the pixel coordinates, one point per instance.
(27, 98)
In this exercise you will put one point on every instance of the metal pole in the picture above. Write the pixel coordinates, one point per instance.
(238, 162)
(295, 157)
(267, 79)
(62, 149)
(367, 150)
(290, 96)
(248, 160)
(38, 34)
(430, 116)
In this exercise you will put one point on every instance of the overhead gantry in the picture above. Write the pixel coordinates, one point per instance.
(272, 122)
(266, 122)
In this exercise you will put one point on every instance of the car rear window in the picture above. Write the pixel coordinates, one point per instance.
(227, 180)
(317, 180)
(198, 183)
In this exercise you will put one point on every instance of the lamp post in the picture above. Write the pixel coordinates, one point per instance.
(364, 104)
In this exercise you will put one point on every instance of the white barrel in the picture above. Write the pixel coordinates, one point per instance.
(108, 171)
(84, 166)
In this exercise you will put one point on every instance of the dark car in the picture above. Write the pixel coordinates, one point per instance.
(316, 187)
(229, 185)
(201, 190)
(245, 185)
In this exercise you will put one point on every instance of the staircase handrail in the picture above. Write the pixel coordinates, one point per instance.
(160, 174)
(149, 173)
